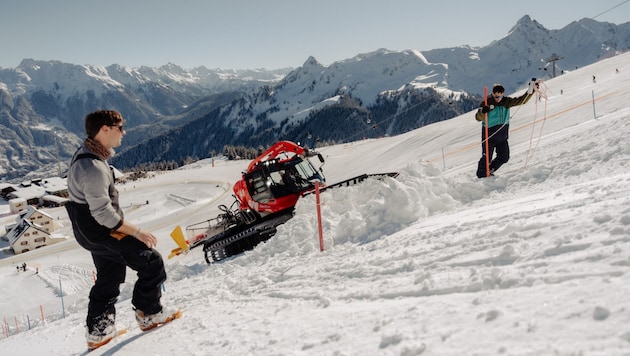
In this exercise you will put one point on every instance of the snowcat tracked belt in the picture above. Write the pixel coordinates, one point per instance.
(218, 247)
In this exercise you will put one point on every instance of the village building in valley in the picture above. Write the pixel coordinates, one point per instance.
(33, 230)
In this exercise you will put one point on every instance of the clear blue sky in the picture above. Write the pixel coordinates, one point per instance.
(271, 34)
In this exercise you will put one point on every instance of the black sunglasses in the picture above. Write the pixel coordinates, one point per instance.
(120, 127)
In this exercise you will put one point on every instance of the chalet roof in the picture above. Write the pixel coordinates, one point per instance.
(17, 232)
(34, 191)
(4, 186)
(29, 211)
(53, 184)
(56, 199)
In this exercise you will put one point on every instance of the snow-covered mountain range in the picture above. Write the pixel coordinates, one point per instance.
(174, 113)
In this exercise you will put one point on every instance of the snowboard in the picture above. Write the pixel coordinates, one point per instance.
(94, 346)
(176, 315)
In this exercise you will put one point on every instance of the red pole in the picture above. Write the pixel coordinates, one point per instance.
(41, 309)
(319, 217)
(485, 102)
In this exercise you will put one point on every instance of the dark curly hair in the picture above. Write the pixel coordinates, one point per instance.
(95, 120)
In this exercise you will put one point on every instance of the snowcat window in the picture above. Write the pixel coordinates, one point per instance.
(258, 188)
(282, 183)
(307, 172)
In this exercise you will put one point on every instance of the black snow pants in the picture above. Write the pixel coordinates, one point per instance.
(499, 141)
(111, 258)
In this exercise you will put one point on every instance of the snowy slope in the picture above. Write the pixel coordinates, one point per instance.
(535, 261)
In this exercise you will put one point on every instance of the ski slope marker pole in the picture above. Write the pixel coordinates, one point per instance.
(485, 103)
(594, 114)
(63, 308)
(319, 217)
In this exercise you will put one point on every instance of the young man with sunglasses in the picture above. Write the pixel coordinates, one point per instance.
(115, 243)
(498, 111)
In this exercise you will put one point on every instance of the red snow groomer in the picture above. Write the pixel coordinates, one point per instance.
(265, 196)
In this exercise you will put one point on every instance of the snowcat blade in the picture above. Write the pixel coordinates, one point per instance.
(175, 252)
(178, 236)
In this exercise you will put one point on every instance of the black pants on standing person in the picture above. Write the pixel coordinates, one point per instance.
(498, 141)
(111, 258)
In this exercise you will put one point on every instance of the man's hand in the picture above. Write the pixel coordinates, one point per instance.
(147, 238)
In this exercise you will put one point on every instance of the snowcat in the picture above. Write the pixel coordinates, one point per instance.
(265, 197)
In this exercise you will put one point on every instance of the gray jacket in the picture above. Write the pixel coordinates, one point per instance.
(91, 182)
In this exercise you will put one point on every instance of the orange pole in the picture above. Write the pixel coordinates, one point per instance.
(319, 217)
(41, 310)
(485, 102)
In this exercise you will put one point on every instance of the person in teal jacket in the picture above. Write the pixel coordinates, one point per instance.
(498, 110)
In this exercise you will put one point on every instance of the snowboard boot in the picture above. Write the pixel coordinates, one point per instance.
(150, 321)
(101, 333)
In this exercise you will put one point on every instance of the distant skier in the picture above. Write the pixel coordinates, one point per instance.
(498, 110)
(99, 227)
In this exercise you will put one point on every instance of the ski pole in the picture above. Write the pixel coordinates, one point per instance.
(485, 103)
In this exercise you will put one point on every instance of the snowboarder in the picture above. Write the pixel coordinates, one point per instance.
(99, 227)
(498, 110)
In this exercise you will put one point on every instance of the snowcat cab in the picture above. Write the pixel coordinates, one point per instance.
(272, 183)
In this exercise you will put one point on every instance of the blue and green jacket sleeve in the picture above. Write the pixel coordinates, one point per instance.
(500, 114)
